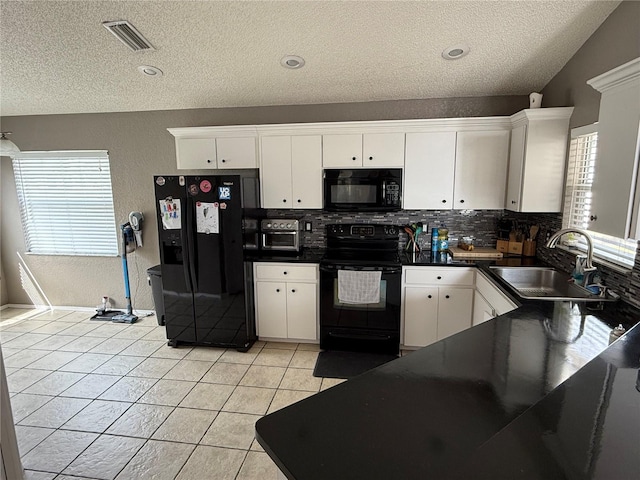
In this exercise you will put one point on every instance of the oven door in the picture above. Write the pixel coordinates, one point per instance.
(371, 327)
(287, 241)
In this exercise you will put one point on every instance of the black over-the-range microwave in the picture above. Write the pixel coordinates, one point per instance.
(363, 189)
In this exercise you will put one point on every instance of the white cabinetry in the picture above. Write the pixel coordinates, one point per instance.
(286, 301)
(481, 169)
(369, 150)
(200, 148)
(437, 302)
(458, 169)
(291, 171)
(489, 301)
(430, 159)
(616, 184)
(537, 159)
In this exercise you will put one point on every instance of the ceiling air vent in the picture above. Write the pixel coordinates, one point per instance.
(128, 35)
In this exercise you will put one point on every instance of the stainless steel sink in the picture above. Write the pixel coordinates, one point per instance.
(544, 283)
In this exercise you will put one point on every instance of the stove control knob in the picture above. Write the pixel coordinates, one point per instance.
(268, 225)
(288, 225)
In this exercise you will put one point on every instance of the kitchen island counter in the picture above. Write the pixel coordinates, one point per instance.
(536, 393)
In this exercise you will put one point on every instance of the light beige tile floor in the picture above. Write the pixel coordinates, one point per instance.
(95, 400)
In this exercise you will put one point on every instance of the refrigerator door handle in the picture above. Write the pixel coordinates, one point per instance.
(186, 257)
(192, 244)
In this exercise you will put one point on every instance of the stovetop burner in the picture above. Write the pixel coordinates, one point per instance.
(362, 244)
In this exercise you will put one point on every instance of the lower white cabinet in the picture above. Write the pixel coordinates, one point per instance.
(489, 301)
(286, 300)
(437, 303)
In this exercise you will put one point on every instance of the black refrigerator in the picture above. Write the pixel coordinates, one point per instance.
(207, 287)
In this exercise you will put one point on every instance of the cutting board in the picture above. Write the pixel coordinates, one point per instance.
(477, 252)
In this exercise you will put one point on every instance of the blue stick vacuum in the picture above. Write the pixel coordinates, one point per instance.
(118, 315)
(127, 238)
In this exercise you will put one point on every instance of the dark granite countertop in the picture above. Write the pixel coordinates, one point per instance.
(307, 255)
(534, 394)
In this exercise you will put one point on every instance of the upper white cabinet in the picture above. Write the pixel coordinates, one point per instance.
(196, 153)
(461, 166)
(616, 184)
(430, 160)
(291, 171)
(238, 152)
(368, 150)
(537, 159)
(215, 147)
(481, 169)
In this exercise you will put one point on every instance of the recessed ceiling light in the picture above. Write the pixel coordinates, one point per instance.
(453, 53)
(150, 71)
(292, 61)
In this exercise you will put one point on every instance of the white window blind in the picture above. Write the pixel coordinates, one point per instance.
(577, 206)
(66, 202)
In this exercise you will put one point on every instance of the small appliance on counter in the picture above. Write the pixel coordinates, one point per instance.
(281, 234)
(250, 233)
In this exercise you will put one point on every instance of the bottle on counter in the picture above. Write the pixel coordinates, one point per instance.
(443, 239)
(616, 333)
(434, 239)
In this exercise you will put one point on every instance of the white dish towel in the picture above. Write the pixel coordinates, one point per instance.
(358, 287)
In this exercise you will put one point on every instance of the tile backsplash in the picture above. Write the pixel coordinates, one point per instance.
(479, 223)
(482, 224)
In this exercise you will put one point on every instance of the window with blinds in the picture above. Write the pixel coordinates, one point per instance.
(577, 206)
(66, 202)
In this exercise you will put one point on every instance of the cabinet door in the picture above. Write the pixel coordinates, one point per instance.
(497, 300)
(275, 171)
(271, 309)
(306, 171)
(454, 310)
(236, 152)
(428, 170)
(196, 153)
(481, 170)
(342, 151)
(482, 311)
(516, 164)
(616, 170)
(383, 150)
(420, 316)
(301, 311)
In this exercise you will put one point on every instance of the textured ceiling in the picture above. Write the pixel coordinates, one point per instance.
(55, 57)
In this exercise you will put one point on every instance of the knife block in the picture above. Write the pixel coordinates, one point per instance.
(502, 246)
(529, 248)
(515, 248)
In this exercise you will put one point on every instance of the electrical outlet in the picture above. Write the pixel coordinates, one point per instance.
(307, 226)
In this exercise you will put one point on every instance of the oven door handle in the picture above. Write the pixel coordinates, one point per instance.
(355, 336)
(335, 268)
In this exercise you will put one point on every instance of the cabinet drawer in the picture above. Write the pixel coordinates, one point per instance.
(439, 276)
(286, 272)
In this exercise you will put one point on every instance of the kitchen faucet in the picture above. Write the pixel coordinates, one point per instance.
(588, 267)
